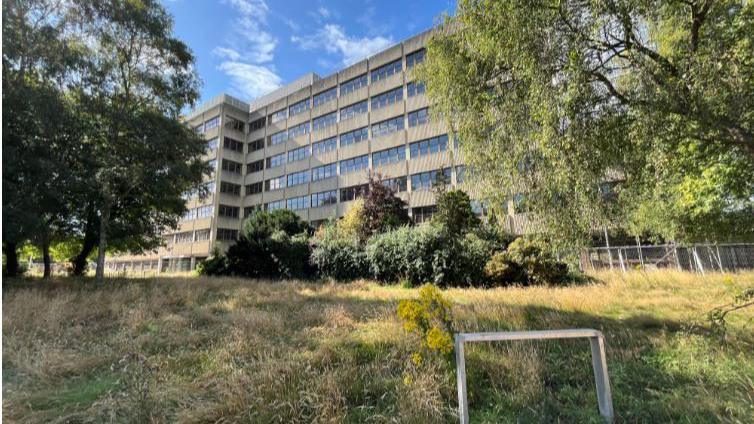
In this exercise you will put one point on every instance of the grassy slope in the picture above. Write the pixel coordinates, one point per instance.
(201, 350)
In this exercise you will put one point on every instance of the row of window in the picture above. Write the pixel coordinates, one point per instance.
(191, 236)
(380, 158)
(198, 213)
(420, 181)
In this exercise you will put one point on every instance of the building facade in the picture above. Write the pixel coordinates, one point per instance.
(310, 147)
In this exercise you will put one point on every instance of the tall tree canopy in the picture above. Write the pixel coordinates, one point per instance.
(636, 114)
(121, 74)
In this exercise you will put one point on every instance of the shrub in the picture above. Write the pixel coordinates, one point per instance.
(430, 320)
(528, 261)
(428, 253)
(216, 264)
(383, 210)
(338, 255)
(454, 212)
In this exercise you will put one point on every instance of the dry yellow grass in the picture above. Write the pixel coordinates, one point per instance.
(229, 350)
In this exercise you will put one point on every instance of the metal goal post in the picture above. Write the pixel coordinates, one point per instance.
(599, 362)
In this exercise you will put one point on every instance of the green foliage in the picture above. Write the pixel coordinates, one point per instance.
(454, 212)
(528, 261)
(427, 253)
(552, 101)
(338, 255)
(215, 264)
(271, 245)
(429, 319)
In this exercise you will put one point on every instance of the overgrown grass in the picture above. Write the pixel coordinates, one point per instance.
(228, 350)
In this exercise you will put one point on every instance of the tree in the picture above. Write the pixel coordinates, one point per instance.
(383, 210)
(454, 212)
(138, 80)
(554, 99)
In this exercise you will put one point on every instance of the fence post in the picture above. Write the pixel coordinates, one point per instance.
(641, 258)
(607, 245)
(698, 260)
(620, 258)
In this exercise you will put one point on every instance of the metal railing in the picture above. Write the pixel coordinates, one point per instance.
(701, 258)
(599, 362)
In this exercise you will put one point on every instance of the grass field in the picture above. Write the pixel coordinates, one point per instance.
(226, 350)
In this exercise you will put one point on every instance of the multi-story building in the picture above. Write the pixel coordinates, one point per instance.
(309, 147)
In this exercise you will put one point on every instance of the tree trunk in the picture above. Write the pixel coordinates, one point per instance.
(11, 259)
(79, 261)
(46, 259)
(103, 223)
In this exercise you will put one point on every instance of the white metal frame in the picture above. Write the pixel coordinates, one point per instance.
(599, 362)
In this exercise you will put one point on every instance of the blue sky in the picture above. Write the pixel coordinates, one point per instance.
(247, 48)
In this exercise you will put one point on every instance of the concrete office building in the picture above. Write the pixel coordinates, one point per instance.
(309, 147)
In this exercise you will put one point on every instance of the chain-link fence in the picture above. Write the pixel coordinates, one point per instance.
(697, 257)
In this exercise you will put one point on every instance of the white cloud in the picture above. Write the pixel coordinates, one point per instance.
(247, 54)
(324, 12)
(333, 39)
(251, 80)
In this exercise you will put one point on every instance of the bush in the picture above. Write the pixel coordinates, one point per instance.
(429, 319)
(216, 264)
(528, 261)
(428, 253)
(338, 255)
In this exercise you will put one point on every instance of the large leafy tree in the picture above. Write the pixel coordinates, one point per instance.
(133, 159)
(553, 100)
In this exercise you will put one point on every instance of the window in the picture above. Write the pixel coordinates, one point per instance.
(297, 203)
(234, 145)
(212, 123)
(189, 215)
(234, 124)
(299, 107)
(184, 237)
(227, 234)
(278, 116)
(352, 193)
(427, 180)
(355, 136)
(231, 166)
(349, 112)
(201, 235)
(415, 88)
(254, 188)
(389, 156)
(325, 97)
(298, 130)
(354, 164)
(418, 117)
(205, 211)
(228, 211)
(276, 160)
(385, 71)
(210, 186)
(324, 121)
(199, 129)
(212, 163)
(274, 183)
(324, 198)
(460, 174)
(256, 145)
(353, 84)
(278, 138)
(212, 145)
(257, 124)
(415, 58)
(249, 210)
(396, 184)
(423, 214)
(324, 146)
(429, 146)
(324, 172)
(387, 98)
(387, 127)
(255, 166)
(298, 178)
(229, 188)
(298, 154)
(278, 204)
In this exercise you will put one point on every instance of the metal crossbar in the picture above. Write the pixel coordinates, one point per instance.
(599, 362)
